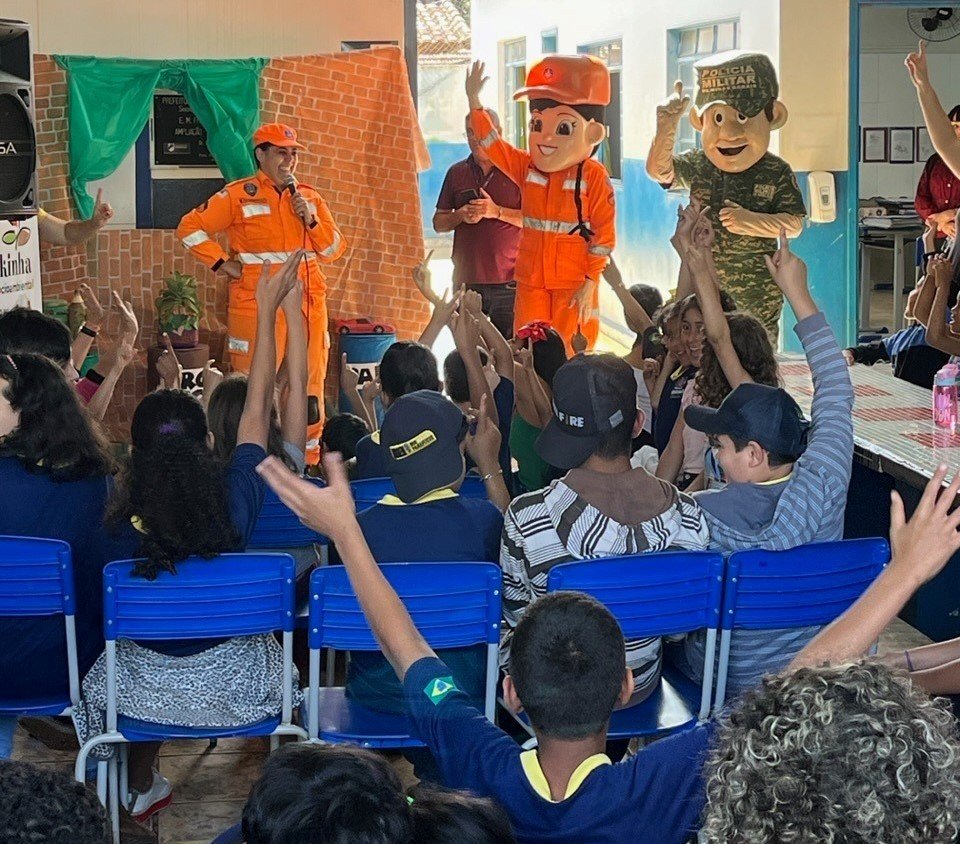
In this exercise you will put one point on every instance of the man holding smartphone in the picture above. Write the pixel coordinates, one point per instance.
(481, 206)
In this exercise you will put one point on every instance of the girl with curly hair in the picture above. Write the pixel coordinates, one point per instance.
(55, 476)
(176, 499)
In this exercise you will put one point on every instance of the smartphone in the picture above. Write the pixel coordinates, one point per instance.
(465, 196)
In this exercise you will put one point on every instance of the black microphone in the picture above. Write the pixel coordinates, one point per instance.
(290, 184)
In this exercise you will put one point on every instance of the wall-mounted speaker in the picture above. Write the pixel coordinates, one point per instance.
(18, 140)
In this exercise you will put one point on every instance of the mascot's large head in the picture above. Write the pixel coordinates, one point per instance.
(736, 108)
(567, 98)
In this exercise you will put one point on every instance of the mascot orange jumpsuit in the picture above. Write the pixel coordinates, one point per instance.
(259, 217)
(567, 199)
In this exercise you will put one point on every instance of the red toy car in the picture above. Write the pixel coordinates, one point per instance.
(363, 325)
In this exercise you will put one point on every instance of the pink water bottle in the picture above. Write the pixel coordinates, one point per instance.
(945, 397)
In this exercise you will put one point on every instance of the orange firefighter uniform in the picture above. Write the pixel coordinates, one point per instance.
(260, 224)
(568, 214)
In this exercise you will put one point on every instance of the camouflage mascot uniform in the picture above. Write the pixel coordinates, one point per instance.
(751, 193)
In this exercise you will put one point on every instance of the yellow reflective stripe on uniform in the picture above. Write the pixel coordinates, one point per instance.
(333, 247)
(552, 226)
(260, 257)
(536, 178)
(599, 250)
(254, 209)
(489, 140)
(195, 239)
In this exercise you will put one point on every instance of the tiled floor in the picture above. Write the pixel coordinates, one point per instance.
(210, 786)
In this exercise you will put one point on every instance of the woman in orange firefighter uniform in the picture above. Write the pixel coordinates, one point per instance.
(265, 220)
(566, 196)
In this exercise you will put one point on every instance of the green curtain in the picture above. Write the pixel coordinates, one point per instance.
(110, 103)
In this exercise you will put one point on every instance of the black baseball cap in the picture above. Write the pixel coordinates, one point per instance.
(421, 436)
(766, 415)
(592, 395)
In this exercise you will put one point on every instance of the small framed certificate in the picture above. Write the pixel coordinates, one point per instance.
(901, 149)
(874, 147)
(924, 147)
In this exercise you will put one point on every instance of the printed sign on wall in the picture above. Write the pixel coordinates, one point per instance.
(19, 265)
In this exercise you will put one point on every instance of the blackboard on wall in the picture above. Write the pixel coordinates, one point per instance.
(178, 136)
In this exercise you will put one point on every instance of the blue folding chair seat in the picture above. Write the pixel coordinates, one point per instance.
(805, 586)
(453, 605)
(226, 596)
(368, 491)
(658, 594)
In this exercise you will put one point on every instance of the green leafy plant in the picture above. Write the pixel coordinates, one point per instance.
(178, 305)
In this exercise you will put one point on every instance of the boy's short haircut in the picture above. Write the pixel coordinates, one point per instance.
(342, 432)
(442, 816)
(568, 665)
(334, 794)
(27, 332)
(455, 376)
(407, 367)
(774, 459)
(40, 805)
(647, 297)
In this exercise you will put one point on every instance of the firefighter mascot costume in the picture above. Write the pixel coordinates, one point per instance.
(751, 193)
(566, 196)
(267, 217)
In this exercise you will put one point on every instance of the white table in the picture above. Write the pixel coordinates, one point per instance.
(899, 230)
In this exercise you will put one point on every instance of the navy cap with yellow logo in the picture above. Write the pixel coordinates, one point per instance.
(421, 436)
(742, 80)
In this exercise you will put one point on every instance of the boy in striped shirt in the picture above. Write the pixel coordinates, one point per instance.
(787, 477)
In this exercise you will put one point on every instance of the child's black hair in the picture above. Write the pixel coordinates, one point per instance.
(954, 114)
(455, 376)
(342, 432)
(27, 332)
(441, 816)
(407, 367)
(549, 355)
(568, 664)
(173, 485)
(650, 299)
(326, 794)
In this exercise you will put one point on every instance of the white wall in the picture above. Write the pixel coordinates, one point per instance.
(887, 97)
(642, 25)
(204, 28)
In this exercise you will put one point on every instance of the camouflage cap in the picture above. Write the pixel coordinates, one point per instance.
(745, 81)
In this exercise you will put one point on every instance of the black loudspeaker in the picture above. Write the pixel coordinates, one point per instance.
(18, 140)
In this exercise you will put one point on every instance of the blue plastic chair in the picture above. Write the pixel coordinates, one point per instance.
(659, 594)
(229, 595)
(368, 491)
(279, 529)
(453, 605)
(802, 587)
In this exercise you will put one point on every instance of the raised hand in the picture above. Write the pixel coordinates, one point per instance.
(273, 286)
(483, 445)
(422, 278)
(168, 366)
(672, 108)
(582, 300)
(129, 327)
(471, 302)
(210, 379)
(102, 212)
(474, 82)
(917, 66)
(95, 311)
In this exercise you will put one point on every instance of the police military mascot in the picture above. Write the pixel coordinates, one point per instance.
(752, 193)
(566, 197)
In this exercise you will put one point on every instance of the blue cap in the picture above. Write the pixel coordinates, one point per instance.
(421, 436)
(755, 412)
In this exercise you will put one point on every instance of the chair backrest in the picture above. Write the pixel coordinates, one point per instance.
(278, 526)
(227, 595)
(657, 594)
(452, 604)
(36, 579)
(368, 491)
(800, 587)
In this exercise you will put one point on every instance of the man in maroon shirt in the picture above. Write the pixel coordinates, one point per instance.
(938, 191)
(481, 206)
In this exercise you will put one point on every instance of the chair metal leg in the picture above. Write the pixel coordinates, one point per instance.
(102, 782)
(114, 799)
(124, 751)
(274, 742)
(213, 744)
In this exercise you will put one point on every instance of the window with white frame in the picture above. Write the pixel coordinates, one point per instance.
(687, 46)
(548, 41)
(514, 75)
(610, 153)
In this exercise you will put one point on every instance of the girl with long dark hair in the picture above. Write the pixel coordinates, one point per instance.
(176, 499)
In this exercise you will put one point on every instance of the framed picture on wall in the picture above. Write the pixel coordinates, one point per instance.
(924, 147)
(874, 147)
(900, 149)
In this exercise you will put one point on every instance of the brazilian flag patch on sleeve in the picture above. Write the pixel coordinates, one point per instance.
(439, 688)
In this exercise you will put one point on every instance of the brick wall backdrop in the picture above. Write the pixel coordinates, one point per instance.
(355, 114)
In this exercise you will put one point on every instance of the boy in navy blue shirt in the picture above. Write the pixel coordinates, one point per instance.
(423, 439)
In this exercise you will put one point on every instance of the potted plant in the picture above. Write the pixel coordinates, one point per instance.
(179, 310)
